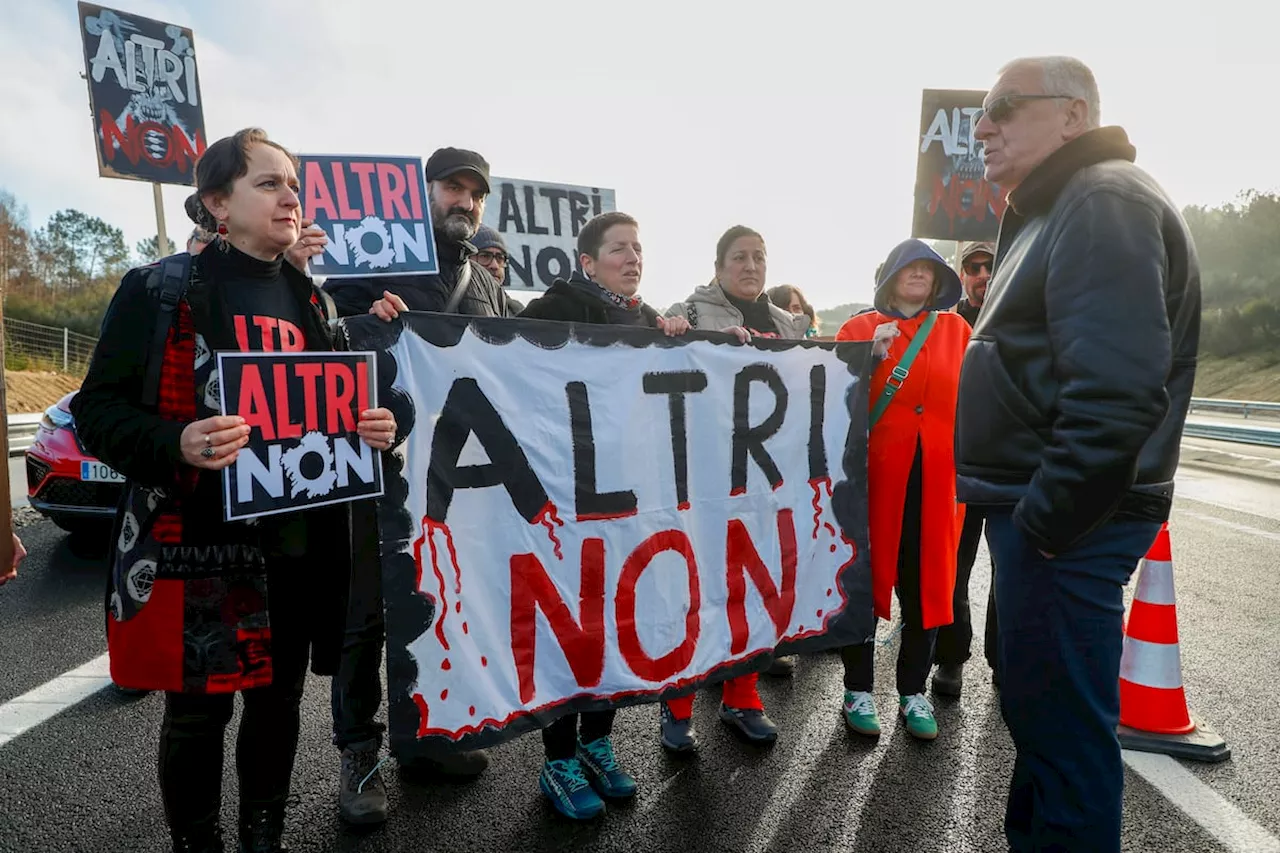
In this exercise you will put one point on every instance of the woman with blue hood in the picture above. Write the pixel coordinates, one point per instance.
(911, 475)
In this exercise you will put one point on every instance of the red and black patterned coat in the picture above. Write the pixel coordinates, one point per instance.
(187, 599)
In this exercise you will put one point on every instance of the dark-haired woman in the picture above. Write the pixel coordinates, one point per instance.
(911, 474)
(581, 769)
(201, 608)
(734, 301)
(789, 298)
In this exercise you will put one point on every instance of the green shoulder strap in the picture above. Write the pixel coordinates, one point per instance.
(902, 369)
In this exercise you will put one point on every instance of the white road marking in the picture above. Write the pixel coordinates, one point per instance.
(1233, 525)
(1232, 828)
(53, 697)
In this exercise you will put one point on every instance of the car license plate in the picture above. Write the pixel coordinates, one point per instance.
(98, 472)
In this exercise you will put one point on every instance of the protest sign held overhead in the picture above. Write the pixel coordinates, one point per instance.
(374, 210)
(540, 223)
(953, 199)
(303, 449)
(144, 93)
(625, 516)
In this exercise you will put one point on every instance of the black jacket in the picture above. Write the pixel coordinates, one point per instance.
(574, 301)
(1078, 377)
(139, 442)
(484, 297)
(968, 311)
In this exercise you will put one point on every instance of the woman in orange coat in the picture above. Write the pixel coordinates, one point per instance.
(911, 473)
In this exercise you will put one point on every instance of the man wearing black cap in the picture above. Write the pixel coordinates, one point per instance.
(457, 185)
(952, 647)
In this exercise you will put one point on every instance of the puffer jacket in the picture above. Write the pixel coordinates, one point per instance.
(1077, 379)
(708, 309)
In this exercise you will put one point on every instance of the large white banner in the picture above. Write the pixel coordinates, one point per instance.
(540, 222)
(601, 515)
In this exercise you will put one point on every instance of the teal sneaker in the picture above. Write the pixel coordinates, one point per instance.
(601, 766)
(860, 713)
(565, 785)
(918, 714)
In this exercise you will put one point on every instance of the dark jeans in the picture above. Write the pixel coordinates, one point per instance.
(955, 639)
(915, 654)
(1060, 645)
(560, 739)
(356, 690)
(191, 736)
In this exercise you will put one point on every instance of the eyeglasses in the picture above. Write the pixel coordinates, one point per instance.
(492, 255)
(1002, 108)
(976, 267)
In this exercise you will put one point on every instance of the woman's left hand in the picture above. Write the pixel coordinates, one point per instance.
(673, 326)
(377, 428)
(310, 243)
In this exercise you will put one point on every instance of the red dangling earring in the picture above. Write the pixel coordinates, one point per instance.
(222, 228)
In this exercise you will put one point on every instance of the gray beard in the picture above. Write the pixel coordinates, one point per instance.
(458, 228)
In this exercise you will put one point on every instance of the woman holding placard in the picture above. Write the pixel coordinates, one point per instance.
(911, 474)
(201, 608)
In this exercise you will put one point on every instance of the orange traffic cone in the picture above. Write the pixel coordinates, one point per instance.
(1153, 704)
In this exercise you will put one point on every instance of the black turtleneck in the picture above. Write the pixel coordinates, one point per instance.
(264, 314)
(755, 315)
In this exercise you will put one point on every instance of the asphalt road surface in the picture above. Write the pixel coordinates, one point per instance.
(85, 778)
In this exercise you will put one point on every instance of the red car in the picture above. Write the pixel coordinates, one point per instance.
(68, 485)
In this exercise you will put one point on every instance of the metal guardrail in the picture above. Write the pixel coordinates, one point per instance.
(1239, 407)
(22, 432)
(1265, 436)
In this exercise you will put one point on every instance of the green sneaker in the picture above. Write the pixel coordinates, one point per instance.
(860, 713)
(918, 714)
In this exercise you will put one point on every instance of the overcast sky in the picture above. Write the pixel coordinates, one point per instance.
(796, 118)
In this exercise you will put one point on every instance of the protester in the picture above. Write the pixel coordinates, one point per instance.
(952, 648)
(911, 477)
(458, 186)
(789, 298)
(735, 298)
(241, 612)
(1075, 389)
(581, 767)
(491, 253)
(19, 554)
(976, 262)
(734, 301)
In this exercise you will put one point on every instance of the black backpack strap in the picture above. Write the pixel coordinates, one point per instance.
(691, 314)
(327, 304)
(167, 282)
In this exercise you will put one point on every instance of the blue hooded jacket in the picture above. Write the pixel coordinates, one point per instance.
(949, 290)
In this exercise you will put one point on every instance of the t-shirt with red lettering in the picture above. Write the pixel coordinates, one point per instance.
(265, 315)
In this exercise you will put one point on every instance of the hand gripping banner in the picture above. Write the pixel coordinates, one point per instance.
(585, 517)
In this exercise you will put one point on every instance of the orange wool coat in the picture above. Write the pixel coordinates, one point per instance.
(925, 409)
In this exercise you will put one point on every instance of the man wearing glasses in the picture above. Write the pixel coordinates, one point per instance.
(491, 253)
(1073, 395)
(952, 647)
